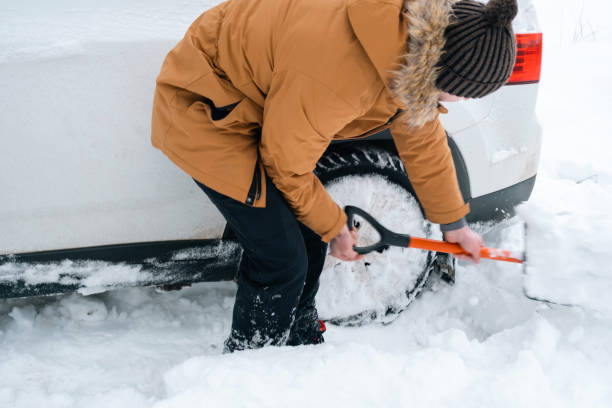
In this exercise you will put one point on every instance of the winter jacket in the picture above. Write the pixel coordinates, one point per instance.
(265, 86)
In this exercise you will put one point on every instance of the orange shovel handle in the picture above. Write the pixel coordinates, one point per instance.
(455, 249)
(390, 238)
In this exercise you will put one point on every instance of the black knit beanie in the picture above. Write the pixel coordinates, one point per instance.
(480, 49)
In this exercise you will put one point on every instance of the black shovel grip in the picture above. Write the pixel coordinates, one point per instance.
(387, 238)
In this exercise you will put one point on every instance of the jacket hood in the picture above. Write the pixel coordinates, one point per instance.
(415, 82)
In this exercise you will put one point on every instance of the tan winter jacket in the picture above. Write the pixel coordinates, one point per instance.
(270, 83)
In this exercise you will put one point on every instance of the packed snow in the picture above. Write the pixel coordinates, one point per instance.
(88, 277)
(483, 342)
(348, 288)
(87, 273)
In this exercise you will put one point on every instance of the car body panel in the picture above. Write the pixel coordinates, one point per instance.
(502, 148)
(77, 168)
(89, 175)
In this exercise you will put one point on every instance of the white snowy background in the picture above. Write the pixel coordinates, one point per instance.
(480, 343)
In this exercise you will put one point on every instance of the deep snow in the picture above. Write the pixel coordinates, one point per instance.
(478, 343)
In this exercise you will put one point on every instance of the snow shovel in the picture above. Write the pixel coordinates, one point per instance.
(374, 237)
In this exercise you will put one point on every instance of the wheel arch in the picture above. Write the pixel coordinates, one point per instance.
(494, 206)
(384, 141)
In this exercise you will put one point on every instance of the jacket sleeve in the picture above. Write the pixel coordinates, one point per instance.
(431, 170)
(300, 118)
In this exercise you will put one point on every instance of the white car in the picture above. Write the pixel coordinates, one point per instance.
(88, 204)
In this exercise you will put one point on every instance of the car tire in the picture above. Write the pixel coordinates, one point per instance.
(385, 192)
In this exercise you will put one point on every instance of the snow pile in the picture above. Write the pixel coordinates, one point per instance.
(568, 244)
(449, 369)
(568, 215)
(480, 343)
(111, 348)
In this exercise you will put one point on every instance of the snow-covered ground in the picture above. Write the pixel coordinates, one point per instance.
(480, 343)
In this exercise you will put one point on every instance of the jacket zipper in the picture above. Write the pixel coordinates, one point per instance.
(255, 189)
(258, 177)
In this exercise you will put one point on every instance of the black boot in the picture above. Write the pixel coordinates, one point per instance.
(306, 330)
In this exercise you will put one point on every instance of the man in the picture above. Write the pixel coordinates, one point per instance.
(255, 92)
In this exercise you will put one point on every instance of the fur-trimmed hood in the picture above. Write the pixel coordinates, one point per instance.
(414, 83)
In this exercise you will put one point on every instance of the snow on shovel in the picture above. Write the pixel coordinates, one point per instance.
(374, 237)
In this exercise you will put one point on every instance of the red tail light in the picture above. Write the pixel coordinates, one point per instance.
(528, 59)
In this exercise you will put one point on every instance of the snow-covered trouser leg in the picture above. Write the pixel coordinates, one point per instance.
(273, 272)
(306, 328)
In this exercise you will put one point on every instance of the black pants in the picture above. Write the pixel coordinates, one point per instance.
(278, 276)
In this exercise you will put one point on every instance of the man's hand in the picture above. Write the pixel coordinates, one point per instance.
(469, 241)
(341, 246)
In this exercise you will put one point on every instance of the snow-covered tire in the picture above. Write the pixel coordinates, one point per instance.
(381, 286)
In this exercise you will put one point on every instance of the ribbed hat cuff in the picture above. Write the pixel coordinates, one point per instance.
(455, 84)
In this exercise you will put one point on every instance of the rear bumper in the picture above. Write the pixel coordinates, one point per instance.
(500, 204)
